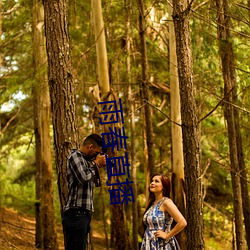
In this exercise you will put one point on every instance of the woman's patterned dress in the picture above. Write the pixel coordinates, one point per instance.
(155, 220)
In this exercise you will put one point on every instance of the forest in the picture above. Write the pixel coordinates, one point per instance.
(179, 72)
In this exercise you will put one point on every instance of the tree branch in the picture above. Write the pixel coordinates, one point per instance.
(10, 120)
(161, 112)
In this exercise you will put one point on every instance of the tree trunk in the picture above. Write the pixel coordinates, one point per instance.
(243, 179)
(61, 87)
(38, 59)
(118, 217)
(46, 237)
(97, 130)
(230, 93)
(101, 51)
(132, 127)
(105, 224)
(176, 132)
(145, 89)
(119, 227)
(118, 214)
(189, 127)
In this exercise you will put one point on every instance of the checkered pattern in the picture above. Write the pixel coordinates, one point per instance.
(80, 178)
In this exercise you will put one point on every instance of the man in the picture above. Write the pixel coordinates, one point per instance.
(82, 169)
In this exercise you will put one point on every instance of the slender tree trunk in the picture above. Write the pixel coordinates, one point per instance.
(145, 89)
(133, 164)
(243, 179)
(242, 166)
(46, 236)
(61, 88)
(176, 131)
(37, 65)
(102, 62)
(233, 236)
(104, 220)
(189, 126)
(97, 130)
(101, 51)
(102, 68)
(118, 214)
(132, 127)
(230, 92)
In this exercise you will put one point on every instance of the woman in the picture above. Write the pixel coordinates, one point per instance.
(159, 215)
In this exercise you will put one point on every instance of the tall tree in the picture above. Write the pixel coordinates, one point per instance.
(118, 215)
(231, 115)
(145, 90)
(101, 51)
(102, 71)
(61, 85)
(132, 123)
(181, 17)
(46, 237)
(243, 180)
(176, 132)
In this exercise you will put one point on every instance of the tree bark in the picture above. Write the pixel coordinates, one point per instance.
(231, 116)
(176, 132)
(46, 237)
(181, 16)
(101, 51)
(243, 178)
(132, 127)
(145, 90)
(118, 214)
(61, 87)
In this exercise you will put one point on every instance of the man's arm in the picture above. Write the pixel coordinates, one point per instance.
(80, 167)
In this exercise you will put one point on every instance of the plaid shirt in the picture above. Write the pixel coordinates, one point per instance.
(80, 179)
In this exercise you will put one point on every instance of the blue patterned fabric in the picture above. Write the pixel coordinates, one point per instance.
(155, 220)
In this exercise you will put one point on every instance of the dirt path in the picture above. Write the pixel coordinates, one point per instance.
(18, 232)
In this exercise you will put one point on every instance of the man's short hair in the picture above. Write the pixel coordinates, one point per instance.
(93, 139)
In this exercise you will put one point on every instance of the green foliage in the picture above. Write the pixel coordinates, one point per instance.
(18, 188)
(98, 202)
(218, 228)
(19, 197)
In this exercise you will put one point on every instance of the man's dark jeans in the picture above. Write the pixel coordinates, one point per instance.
(76, 226)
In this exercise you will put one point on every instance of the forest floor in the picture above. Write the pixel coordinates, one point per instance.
(18, 232)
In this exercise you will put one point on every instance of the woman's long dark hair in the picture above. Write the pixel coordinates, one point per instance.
(166, 185)
(166, 189)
